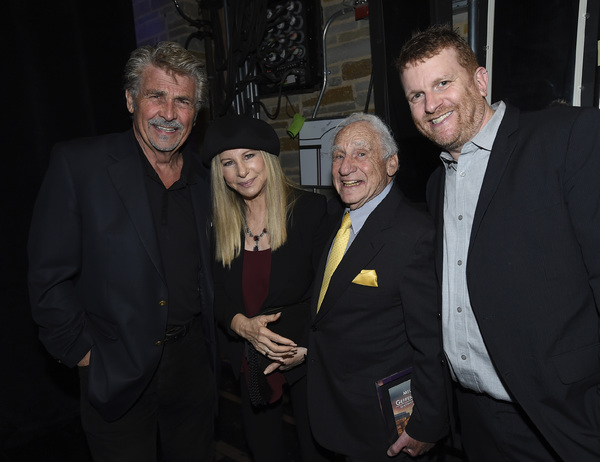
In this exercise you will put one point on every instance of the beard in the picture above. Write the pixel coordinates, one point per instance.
(468, 115)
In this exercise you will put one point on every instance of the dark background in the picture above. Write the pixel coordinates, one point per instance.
(61, 73)
(392, 22)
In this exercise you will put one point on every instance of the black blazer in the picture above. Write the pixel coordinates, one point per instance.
(533, 269)
(95, 274)
(362, 334)
(292, 272)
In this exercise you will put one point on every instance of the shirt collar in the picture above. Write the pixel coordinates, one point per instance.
(360, 215)
(185, 176)
(484, 139)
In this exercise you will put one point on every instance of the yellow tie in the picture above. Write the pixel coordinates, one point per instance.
(335, 256)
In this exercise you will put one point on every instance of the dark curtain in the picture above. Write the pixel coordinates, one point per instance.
(534, 52)
(61, 73)
(392, 22)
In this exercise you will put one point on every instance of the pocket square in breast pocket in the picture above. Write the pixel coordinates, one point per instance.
(366, 278)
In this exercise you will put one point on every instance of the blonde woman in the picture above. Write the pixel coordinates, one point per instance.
(268, 238)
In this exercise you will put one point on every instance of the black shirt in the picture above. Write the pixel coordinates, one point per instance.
(175, 225)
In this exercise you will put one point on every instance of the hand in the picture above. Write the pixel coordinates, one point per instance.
(85, 361)
(408, 445)
(263, 339)
(287, 362)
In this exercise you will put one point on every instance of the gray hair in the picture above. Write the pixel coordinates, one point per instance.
(390, 147)
(170, 57)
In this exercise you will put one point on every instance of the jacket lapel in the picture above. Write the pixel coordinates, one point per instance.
(435, 202)
(504, 146)
(127, 175)
(277, 279)
(200, 196)
(321, 271)
(364, 248)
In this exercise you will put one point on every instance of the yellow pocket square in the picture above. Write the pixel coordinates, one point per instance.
(366, 278)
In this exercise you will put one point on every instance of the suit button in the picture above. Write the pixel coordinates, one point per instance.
(158, 343)
(162, 303)
(313, 328)
(439, 315)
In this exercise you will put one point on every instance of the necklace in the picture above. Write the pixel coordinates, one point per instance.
(256, 237)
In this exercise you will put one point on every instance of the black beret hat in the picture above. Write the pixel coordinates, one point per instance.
(234, 132)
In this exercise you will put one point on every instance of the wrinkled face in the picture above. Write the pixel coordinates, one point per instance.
(358, 169)
(244, 171)
(446, 102)
(163, 111)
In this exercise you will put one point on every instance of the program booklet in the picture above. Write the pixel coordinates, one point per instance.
(396, 402)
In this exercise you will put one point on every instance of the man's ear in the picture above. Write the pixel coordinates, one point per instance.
(481, 78)
(130, 101)
(392, 165)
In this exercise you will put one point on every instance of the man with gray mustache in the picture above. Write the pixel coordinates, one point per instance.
(119, 270)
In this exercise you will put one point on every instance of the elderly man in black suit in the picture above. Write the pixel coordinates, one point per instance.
(119, 269)
(375, 314)
(516, 205)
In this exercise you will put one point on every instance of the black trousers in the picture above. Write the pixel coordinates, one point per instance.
(264, 427)
(498, 431)
(174, 417)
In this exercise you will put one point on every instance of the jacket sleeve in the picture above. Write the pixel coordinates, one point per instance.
(319, 229)
(316, 229)
(582, 192)
(429, 421)
(54, 248)
(227, 301)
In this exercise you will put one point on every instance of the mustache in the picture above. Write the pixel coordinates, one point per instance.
(159, 121)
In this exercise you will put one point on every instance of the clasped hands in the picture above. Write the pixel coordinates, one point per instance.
(284, 353)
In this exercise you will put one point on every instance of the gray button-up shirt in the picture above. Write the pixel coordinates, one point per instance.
(464, 347)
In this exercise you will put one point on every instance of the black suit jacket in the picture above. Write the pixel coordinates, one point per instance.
(362, 334)
(95, 277)
(292, 273)
(533, 269)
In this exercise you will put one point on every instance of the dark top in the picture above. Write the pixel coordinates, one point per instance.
(290, 279)
(533, 269)
(95, 272)
(365, 331)
(255, 288)
(175, 225)
(255, 280)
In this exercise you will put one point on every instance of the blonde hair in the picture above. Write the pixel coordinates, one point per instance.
(229, 210)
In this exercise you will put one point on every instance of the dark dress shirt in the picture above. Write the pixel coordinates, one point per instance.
(175, 225)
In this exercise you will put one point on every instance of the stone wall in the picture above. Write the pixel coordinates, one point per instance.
(158, 20)
(348, 62)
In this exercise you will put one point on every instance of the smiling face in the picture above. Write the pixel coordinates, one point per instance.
(163, 111)
(245, 172)
(359, 171)
(447, 103)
